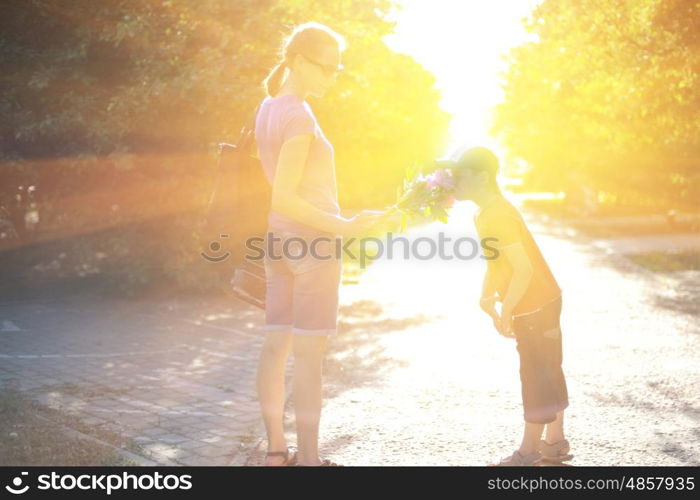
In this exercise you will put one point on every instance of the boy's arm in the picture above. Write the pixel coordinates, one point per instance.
(488, 294)
(522, 274)
(489, 299)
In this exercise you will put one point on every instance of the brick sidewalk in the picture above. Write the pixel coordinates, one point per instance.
(176, 378)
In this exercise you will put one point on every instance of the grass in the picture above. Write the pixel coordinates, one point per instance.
(665, 262)
(33, 435)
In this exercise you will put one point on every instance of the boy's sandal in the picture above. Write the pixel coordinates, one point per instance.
(288, 460)
(552, 452)
(518, 460)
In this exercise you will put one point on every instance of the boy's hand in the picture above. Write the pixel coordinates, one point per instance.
(503, 323)
(497, 323)
(507, 325)
(488, 305)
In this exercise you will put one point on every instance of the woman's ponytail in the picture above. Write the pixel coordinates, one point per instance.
(274, 79)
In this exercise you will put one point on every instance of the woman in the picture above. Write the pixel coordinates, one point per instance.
(302, 289)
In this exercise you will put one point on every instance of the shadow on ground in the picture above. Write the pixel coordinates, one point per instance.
(356, 356)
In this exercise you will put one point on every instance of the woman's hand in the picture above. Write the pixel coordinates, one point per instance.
(376, 222)
(363, 223)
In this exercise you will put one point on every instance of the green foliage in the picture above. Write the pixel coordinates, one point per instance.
(120, 78)
(129, 99)
(607, 94)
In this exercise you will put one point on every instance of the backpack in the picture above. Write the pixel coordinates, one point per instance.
(237, 211)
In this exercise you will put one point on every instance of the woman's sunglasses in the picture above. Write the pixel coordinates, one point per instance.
(328, 69)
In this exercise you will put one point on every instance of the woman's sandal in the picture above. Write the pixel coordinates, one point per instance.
(324, 463)
(553, 452)
(518, 460)
(288, 460)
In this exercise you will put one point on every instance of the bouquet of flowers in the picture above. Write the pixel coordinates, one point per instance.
(425, 196)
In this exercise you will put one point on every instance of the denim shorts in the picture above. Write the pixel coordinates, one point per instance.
(539, 345)
(302, 287)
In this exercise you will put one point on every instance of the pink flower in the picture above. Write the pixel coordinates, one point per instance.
(440, 178)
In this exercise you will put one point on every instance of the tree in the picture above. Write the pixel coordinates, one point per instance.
(608, 91)
(112, 110)
(127, 78)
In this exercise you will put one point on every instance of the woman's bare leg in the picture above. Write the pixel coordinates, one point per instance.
(555, 431)
(271, 394)
(531, 438)
(309, 352)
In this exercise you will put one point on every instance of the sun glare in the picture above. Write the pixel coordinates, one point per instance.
(463, 44)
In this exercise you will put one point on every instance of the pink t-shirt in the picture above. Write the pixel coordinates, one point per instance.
(278, 120)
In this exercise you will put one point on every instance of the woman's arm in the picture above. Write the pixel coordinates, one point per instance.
(285, 198)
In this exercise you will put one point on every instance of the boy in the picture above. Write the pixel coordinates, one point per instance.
(519, 278)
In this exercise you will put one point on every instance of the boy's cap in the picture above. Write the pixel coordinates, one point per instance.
(478, 158)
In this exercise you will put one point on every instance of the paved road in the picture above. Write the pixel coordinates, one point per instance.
(415, 375)
(680, 242)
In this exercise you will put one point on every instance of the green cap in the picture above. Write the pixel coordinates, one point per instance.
(478, 158)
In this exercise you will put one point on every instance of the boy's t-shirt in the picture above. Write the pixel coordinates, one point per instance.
(502, 223)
